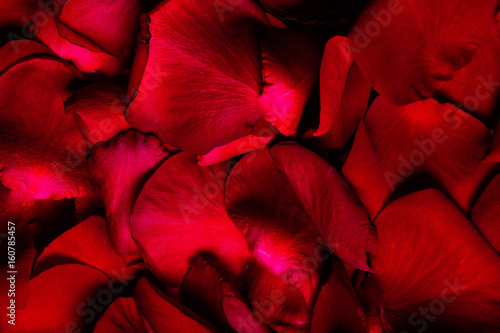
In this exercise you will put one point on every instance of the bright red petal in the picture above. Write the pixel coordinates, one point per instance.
(396, 144)
(181, 207)
(121, 167)
(408, 49)
(433, 269)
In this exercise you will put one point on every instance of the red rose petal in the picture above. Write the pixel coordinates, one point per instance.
(407, 50)
(99, 111)
(122, 316)
(121, 167)
(394, 144)
(163, 314)
(43, 152)
(316, 192)
(433, 269)
(486, 213)
(87, 243)
(493, 154)
(476, 85)
(59, 300)
(215, 93)
(181, 207)
(108, 25)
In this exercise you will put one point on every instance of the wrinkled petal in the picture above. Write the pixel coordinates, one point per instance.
(486, 213)
(163, 314)
(121, 167)
(99, 111)
(122, 316)
(433, 269)
(181, 207)
(476, 86)
(87, 243)
(396, 144)
(212, 94)
(407, 49)
(59, 300)
(43, 152)
(316, 194)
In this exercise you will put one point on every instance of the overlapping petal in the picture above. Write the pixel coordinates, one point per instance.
(486, 213)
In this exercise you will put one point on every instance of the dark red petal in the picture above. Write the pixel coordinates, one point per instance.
(493, 154)
(14, 51)
(213, 94)
(202, 293)
(181, 207)
(434, 269)
(337, 308)
(440, 37)
(335, 65)
(316, 192)
(16, 12)
(239, 313)
(276, 301)
(109, 25)
(476, 86)
(121, 167)
(43, 153)
(290, 65)
(58, 300)
(87, 243)
(163, 314)
(84, 59)
(122, 316)
(99, 111)
(486, 213)
(395, 144)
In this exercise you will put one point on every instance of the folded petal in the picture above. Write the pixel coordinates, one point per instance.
(493, 153)
(433, 269)
(486, 213)
(121, 167)
(316, 194)
(425, 139)
(407, 49)
(204, 97)
(110, 26)
(99, 111)
(163, 314)
(122, 316)
(181, 207)
(87, 243)
(43, 152)
(476, 86)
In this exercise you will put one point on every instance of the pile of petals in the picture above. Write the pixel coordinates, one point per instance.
(244, 166)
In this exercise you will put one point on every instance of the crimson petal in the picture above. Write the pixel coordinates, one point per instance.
(120, 167)
(122, 316)
(440, 37)
(181, 207)
(433, 269)
(394, 144)
(486, 213)
(316, 192)
(43, 152)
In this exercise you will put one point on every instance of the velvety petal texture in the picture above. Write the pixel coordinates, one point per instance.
(438, 142)
(180, 215)
(122, 316)
(259, 180)
(120, 168)
(239, 73)
(43, 151)
(440, 37)
(446, 285)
